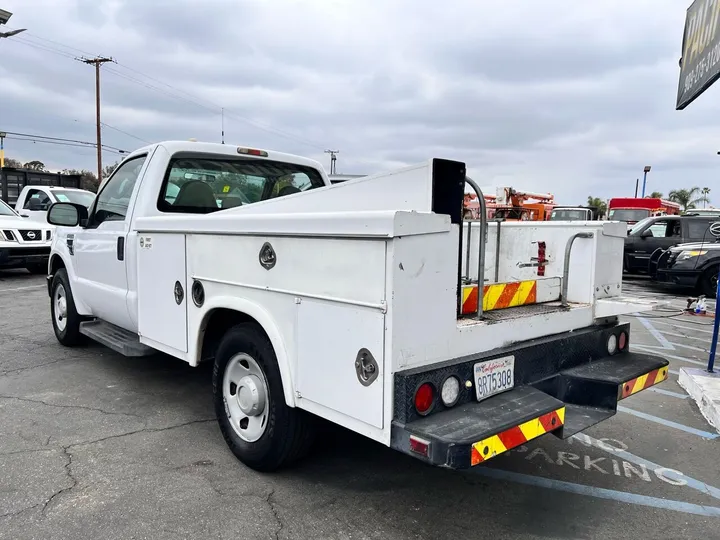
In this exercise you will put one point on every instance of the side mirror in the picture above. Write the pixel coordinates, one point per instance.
(64, 214)
(647, 233)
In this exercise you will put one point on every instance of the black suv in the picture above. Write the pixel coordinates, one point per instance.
(662, 232)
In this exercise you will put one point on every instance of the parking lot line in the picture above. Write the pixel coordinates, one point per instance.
(601, 493)
(659, 351)
(23, 288)
(668, 423)
(669, 393)
(675, 325)
(655, 333)
(677, 478)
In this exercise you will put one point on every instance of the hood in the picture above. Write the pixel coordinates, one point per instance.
(710, 246)
(17, 222)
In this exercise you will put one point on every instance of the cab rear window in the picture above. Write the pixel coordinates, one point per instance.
(199, 184)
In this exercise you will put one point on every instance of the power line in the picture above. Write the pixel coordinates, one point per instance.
(62, 139)
(89, 146)
(125, 133)
(215, 108)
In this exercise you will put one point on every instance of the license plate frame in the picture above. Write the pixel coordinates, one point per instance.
(492, 377)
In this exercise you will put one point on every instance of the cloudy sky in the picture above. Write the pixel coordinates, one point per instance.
(568, 97)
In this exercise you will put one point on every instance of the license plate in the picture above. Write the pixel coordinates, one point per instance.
(494, 376)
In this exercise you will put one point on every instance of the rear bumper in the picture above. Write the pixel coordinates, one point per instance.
(675, 277)
(22, 256)
(563, 385)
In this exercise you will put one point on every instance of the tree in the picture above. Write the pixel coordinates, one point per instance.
(687, 198)
(598, 203)
(109, 169)
(14, 163)
(35, 166)
(88, 179)
(656, 195)
(705, 192)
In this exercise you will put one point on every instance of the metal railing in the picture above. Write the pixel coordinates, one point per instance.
(566, 265)
(481, 250)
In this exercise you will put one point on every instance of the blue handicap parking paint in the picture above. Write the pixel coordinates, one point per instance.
(656, 334)
(669, 393)
(601, 493)
(669, 423)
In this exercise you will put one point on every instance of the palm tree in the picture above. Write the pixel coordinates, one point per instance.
(687, 198)
(598, 203)
(656, 195)
(705, 192)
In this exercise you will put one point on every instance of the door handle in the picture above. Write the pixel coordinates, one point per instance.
(121, 248)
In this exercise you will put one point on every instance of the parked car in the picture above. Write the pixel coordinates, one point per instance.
(693, 265)
(24, 243)
(662, 232)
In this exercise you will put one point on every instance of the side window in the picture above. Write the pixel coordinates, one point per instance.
(660, 229)
(114, 199)
(36, 200)
(699, 229)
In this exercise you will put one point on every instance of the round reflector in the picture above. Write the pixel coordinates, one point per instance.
(424, 397)
(622, 341)
(450, 391)
(612, 344)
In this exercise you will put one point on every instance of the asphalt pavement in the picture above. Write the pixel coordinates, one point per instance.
(97, 446)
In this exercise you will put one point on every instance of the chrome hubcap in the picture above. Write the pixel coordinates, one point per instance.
(60, 301)
(246, 397)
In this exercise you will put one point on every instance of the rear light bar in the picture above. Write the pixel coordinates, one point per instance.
(252, 152)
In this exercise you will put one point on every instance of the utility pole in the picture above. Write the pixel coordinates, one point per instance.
(222, 132)
(97, 62)
(333, 159)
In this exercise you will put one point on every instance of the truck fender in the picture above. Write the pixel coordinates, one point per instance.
(262, 317)
(57, 260)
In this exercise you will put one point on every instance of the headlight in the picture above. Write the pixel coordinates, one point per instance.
(690, 254)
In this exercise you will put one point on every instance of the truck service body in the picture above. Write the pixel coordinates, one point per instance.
(356, 302)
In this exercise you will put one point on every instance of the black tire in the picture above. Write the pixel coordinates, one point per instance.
(69, 336)
(38, 269)
(708, 282)
(289, 432)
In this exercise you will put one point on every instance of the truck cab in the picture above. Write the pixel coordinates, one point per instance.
(34, 200)
(369, 303)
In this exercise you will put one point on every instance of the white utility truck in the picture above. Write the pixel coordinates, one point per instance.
(356, 302)
(34, 201)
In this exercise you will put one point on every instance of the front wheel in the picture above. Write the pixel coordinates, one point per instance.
(65, 318)
(709, 281)
(256, 423)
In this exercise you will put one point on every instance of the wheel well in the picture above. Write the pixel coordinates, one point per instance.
(56, 263)
(217, 323)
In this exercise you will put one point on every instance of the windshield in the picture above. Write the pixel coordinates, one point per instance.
(628, 214)
(569, 215)
(5, 210)
(78, 197)
(203, 185)
(639, 225)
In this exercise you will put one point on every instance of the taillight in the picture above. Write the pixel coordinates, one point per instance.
(424, 398)
(622, 341)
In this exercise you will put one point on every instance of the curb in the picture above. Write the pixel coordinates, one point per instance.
(704, 388)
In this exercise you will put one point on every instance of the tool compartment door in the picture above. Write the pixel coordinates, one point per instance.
(327, 352)
(162, 298)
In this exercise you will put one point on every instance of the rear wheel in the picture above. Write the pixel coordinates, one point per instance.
(709, 281)
(258, 426)
(65, 318)
(40, 269)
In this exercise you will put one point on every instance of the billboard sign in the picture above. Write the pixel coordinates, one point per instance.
(700, 62)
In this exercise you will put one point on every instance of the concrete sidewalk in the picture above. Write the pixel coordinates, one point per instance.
(704, 388)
